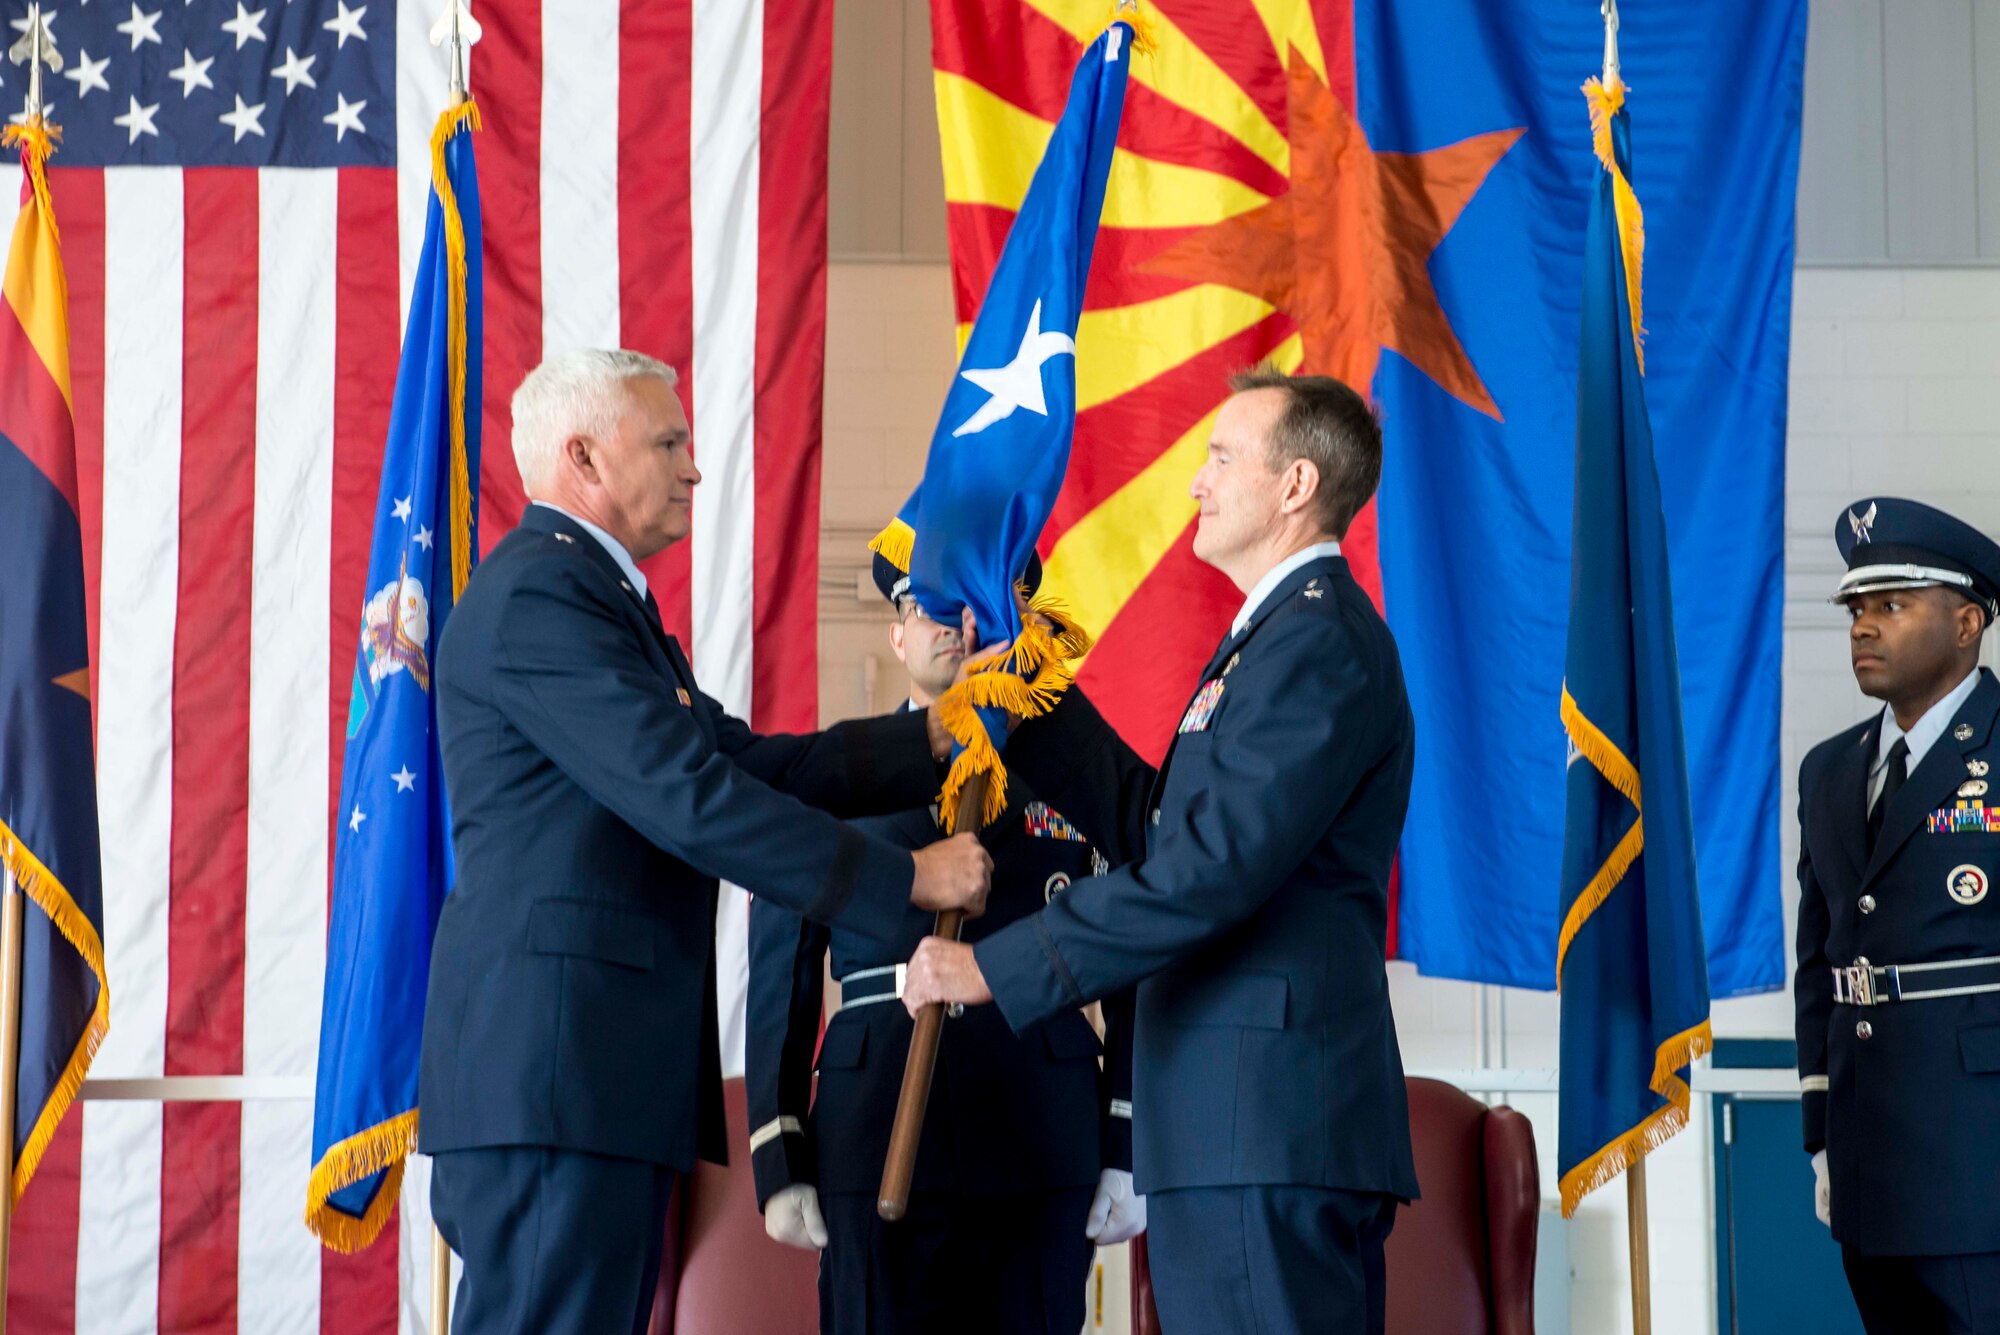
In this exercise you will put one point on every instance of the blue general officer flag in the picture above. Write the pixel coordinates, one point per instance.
(1001, 447)
(1629, 961)
(1475, 514)
(392, 862)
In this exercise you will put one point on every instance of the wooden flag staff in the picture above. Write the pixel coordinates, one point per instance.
(894, 1198)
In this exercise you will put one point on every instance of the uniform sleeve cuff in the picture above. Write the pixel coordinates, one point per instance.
(1116, 1135)
(780, 1157)
(1812, 1110)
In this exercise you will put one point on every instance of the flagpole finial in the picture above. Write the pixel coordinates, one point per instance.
(36, 48)
(457, 26)
(1610, 11)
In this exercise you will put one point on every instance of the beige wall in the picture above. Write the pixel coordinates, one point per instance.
(889, 357)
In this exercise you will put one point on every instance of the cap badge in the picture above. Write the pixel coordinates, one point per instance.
(1966, 884)
(1863, 525)
(1963, 732)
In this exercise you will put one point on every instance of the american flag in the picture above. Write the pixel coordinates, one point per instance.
(241, 193)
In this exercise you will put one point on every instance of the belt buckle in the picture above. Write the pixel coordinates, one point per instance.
(1859, 978)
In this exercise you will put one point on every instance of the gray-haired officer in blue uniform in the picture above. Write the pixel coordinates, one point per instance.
(1026, 1153)
(1271, 1129)
(1898, 986)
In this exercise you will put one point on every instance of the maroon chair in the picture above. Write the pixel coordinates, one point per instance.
(1461, 1261)
(719, 1274)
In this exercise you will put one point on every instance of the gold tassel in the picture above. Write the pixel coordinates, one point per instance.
(1605, 757)
(1144, 41)
(382, 1148)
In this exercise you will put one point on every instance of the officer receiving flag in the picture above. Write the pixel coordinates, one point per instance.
(1630, 961)
(392, 855)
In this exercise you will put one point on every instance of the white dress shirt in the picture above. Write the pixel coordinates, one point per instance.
(1276, 576)
(609, 543)
(1920, 737)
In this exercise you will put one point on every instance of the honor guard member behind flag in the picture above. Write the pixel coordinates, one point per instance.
(1898, 988)
(571, 1066)
(1270, 1127)
(1019, 1131)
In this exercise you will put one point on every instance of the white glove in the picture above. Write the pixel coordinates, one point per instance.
(1822, 1197)
(792, 1217)
(1116, 1215)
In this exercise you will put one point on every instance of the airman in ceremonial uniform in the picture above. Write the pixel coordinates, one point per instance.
(1026, 1151)
(1898, 985)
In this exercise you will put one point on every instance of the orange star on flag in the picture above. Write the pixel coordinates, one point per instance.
(1345, 251)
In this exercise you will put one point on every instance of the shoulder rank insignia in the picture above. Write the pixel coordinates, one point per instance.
(562, 537)
(1313, 590)
(1202, 708)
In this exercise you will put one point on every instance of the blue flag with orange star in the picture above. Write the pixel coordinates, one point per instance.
(392, 862)
(48, 781)
(1476, 498)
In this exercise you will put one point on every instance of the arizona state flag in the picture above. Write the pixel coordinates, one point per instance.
(1630, 962)
(48, 782)
(392, 862)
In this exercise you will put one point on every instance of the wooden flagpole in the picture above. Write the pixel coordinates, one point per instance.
(1635, 1238)
(11, 902)
(894, 1198)
(440, 1284)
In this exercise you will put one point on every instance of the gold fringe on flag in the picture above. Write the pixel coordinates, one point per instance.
(1677, 1053)
(52, 897)
(1604, 104)
(463, 116)
(382, 1148)
(1026, 683)
(897, 542)
(1608, 760)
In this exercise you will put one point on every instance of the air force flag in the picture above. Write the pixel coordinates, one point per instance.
(392, 845)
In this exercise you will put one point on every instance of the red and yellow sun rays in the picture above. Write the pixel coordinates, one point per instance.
(1240, 174)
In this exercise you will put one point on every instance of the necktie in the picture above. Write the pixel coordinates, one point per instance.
(1892, 783)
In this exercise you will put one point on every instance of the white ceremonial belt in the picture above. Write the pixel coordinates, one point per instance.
(1864, 984)
(866, 987)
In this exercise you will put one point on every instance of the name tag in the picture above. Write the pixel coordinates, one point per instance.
(1965, 818)
(1203, 708)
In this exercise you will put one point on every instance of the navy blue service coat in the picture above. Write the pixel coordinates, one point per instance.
(1909, 1115)
(1250, 896)
(597, 795)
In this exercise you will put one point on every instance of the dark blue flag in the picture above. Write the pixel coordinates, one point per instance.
(392, 862)
(1629, 961)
